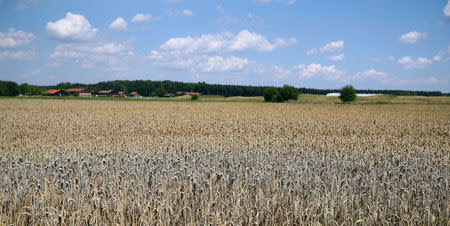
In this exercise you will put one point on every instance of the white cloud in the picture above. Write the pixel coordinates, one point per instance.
(188, 12)
(198, 63)
(110, 48)
(328, 48)
(332, 47)
(246, 40)
(317, 70)
(17, 55)
(220, 64)
(141, 17)
(280, 72)
(442, 55)
(118, 24)
(73, 27)
(409, 63)
(225, 42)
(110, 55)
(372, 73)
(447, 9)
(205, 43)
(281, 42)
(337, 57)
(14, 39)
(312, 51)
(200, 54)
(412, 37)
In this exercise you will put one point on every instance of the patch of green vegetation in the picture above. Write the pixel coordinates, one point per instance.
(302, 99)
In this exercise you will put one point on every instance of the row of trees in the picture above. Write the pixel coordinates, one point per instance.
(159, 88)
(8, 88)
(273, 94)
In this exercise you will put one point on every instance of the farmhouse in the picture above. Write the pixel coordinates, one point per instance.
(135, 94)
(53, 92)
(105, 93)
(168, 95)
(119, 94)
(79, 92)
(187, 93)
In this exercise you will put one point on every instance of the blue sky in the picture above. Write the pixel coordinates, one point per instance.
(371, 44)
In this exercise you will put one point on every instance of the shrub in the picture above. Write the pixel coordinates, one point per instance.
(348, 94)
(288, 93)
(271, 94)
(194, 97)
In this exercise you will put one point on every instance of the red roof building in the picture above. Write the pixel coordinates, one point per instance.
(105, 92)
(53, 92)
(75, 90)
(187, 93)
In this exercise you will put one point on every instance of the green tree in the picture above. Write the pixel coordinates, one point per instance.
(271, 94)
(64, 85)
(348, 94)
(288, 93)
(161, 91)
(9, 88)
(25, 88)
(194, 97)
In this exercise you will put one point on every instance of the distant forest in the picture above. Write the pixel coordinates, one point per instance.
(158, 88)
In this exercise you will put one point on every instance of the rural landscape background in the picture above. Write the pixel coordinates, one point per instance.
(256, 112)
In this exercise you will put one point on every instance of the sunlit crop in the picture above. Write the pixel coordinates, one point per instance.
(113, 162)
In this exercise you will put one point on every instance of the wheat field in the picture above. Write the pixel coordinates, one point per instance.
(166, 163)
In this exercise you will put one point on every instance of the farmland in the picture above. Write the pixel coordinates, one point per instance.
(135, 162)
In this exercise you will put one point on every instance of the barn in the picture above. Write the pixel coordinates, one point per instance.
(53, 92)
(79, 92)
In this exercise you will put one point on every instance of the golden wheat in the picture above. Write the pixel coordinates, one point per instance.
(101, 162)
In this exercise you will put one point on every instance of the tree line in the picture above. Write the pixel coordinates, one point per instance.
(158, 88)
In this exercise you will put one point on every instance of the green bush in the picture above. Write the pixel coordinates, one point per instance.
(194, 97)
(271, 94)
(288, 93)
(348, 94)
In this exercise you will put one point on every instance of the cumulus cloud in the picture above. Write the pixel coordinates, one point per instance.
(328, 48)
(140, 17)
(226, 42)
(409, 63)
(412, 37)
(372, 73)
(188, 12)
(332, 47)
(246, 40)
(198, 63)
(14, 39)
(337, 57)
(201, 54)
(73, 27)
(118, 24)
(317, 70)
(447, 9)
